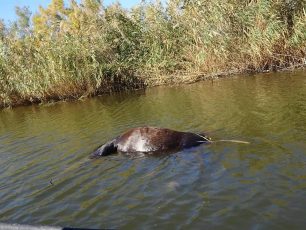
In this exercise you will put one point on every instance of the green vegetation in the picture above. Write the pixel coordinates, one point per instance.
(87, 49)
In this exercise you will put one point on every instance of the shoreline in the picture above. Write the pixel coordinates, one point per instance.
(166, 80)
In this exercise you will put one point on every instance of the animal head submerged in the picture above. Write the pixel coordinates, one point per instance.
(106, 149)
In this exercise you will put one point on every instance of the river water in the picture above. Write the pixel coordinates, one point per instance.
(261, 185)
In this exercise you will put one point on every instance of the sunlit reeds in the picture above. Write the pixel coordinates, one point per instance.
(87, 49)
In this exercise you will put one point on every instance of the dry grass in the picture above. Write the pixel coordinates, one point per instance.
(91, 49)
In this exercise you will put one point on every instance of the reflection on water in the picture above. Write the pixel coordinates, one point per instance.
(224, 185)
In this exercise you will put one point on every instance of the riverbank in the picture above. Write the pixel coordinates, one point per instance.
(169, 80)
(83, 50)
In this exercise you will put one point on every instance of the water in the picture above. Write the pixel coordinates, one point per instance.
(221, 186)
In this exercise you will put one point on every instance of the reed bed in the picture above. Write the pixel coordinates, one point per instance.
(85, 49)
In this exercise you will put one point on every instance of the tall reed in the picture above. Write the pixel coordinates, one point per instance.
(87, 49)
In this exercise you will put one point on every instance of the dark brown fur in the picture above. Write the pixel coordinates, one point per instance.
(151, 139)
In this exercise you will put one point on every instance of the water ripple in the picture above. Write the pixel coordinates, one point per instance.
(223, 185)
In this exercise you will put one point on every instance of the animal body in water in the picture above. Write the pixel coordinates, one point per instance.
(151, 140)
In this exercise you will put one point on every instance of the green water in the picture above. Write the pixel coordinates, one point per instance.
(220, 186)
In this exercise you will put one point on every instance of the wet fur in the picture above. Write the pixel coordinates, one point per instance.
(150, 139)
